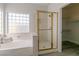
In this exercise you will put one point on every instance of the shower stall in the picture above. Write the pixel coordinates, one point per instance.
(47, 30)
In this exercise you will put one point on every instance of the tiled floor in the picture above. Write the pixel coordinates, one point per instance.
(69, 49)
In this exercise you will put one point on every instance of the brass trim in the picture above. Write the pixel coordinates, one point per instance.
(38, 28)
(52, 31)
(45, 11)
(57, 30)
(47, 29)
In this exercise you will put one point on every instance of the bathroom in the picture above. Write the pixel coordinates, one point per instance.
(18, 29)
(25, 25)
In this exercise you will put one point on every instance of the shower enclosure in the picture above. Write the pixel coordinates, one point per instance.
(46, 32)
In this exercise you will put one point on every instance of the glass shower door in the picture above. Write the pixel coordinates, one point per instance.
(45, 30)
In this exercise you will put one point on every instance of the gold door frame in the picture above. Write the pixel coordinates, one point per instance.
(39, 11)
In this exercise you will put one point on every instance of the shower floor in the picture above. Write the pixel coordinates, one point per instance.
(44, 44)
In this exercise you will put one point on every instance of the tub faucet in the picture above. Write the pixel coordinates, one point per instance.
(1, 40)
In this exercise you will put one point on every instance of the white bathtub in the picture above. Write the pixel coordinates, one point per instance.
(17, 44)
(22, 45)
(17, 48)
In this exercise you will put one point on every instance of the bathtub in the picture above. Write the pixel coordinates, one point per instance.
(18, 47)
(17, 44)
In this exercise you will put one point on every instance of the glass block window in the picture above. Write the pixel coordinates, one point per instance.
(1, 22)
(18, 23)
